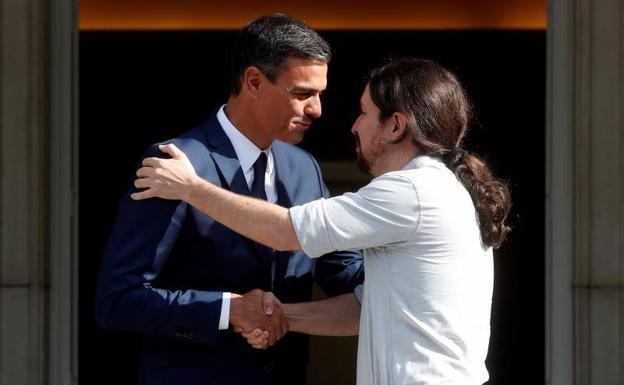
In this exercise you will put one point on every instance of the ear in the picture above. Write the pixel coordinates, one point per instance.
(398, 127)
(252, 80)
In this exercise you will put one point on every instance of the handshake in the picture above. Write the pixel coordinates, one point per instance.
(259, 317)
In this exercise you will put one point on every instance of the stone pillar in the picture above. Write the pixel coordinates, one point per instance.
(24, 187)
(585, 193)
(36, 184)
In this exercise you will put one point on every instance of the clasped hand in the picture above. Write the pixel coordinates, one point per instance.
(259, 317)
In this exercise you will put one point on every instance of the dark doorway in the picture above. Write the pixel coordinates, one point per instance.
(137, 88)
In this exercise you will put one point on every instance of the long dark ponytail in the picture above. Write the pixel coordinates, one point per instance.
(438, 112)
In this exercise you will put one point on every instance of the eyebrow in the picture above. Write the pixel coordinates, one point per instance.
(304, 89)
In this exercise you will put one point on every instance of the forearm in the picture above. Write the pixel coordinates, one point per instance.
(189, 315)
(262, 221)
(336, 316)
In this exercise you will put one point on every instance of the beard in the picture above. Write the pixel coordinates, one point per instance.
(363, 164)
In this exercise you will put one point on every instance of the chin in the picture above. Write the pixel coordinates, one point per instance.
(362, 163)
(293, 138)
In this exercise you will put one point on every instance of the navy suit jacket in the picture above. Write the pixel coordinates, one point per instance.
(166, 265)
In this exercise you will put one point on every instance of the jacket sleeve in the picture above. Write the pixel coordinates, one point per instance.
(338, 272)
(126, 299)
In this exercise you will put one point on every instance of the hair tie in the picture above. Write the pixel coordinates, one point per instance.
(454, 157)
(463, 154)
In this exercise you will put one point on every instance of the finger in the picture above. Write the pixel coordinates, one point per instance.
(257, 337)
(238, 330)
(145, 171)
(137, 196)
(254, 334)
(262, 342)
(257, 341)
(151, 161)
(142, 183)
(272, 339)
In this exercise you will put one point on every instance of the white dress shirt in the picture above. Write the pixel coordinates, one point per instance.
(247, 153)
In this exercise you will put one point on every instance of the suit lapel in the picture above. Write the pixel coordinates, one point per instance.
(284, 199)
(224, 156)
(283, 176)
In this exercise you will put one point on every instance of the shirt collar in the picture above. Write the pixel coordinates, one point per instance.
(246, 151)
(424, 161)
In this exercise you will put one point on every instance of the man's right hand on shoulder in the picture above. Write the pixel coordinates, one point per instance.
(258, 314)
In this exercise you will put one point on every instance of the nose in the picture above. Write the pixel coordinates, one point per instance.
(354, 127)
(313, 107)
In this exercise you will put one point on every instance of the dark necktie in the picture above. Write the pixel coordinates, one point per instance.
(257, 190)
(257, 186)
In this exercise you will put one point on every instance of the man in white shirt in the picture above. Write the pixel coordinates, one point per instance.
(427, 224)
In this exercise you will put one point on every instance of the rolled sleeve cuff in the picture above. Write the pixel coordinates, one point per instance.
(224, 320)
(309, 223)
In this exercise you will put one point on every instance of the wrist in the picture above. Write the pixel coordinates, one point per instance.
(292, 317)
(235, 308)
(194, 187)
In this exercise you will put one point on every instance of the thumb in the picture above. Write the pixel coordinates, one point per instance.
(171, 150)
(268, 303)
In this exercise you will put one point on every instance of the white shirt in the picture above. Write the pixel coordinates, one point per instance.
(425, 315)
(247, 153)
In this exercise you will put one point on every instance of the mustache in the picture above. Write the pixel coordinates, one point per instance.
(303, 121)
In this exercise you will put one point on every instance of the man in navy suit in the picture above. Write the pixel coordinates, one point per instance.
(182, 280)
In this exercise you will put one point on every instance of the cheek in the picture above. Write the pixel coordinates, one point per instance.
(297, 108)
(366, 129)
(287, 111)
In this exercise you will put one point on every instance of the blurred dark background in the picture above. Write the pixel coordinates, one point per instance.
(137, 88)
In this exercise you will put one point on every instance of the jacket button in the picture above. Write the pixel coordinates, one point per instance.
(185, 335)
(268, 368)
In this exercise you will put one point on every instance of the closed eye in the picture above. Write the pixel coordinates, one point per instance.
(305, 93)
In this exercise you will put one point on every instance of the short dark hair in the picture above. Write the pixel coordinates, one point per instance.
(438, 113)
(267, 42)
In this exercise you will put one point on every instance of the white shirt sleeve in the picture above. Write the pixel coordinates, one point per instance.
(382, 213)
(224, 321)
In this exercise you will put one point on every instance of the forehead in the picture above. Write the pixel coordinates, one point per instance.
(365, 99)
(306, 73)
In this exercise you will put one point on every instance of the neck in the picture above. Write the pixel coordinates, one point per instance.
(240, 113)
(394, 158)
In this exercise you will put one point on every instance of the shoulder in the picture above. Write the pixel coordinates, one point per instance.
(191, 143)
(295, 156)
(291, 151)
(436, 185)
(392, 186)
(427, 173)
(299, 172)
